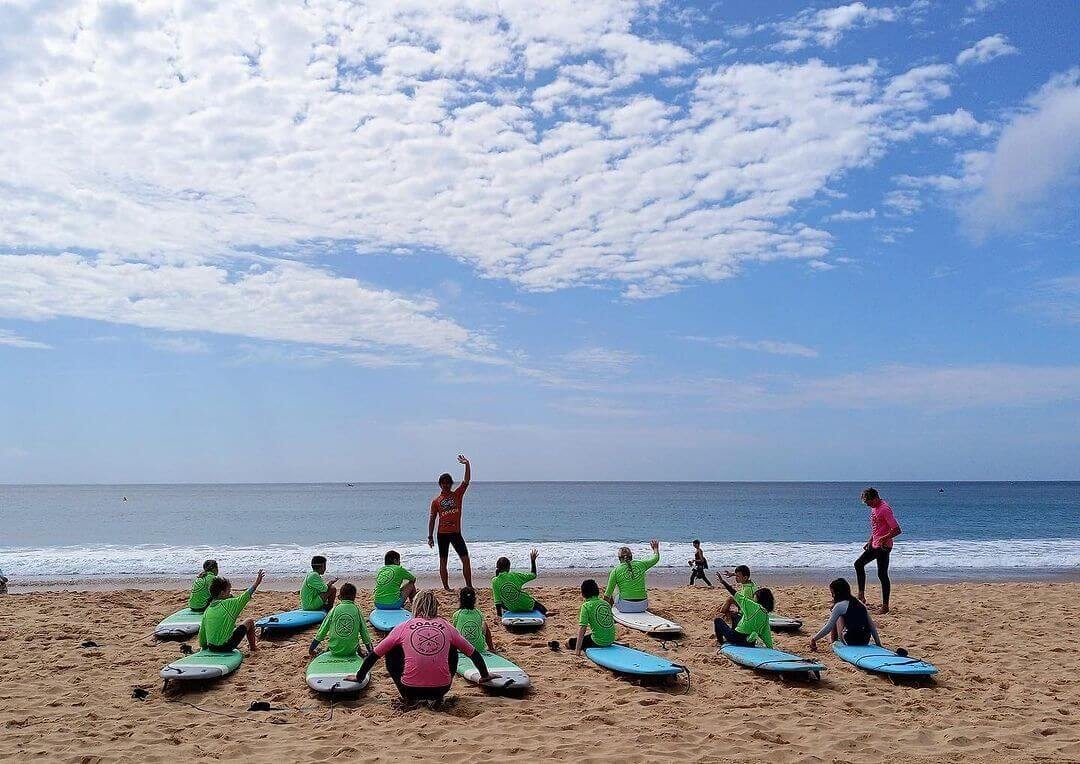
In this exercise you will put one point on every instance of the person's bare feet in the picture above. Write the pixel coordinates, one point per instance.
(884, 609)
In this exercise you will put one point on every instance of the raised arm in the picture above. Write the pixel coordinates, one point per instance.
(532, 559)
(656, 554)
(468, 471)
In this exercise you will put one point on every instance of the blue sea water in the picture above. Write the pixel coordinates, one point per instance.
(169, 529)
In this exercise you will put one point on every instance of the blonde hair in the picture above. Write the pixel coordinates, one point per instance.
(425, 605)
(625, 555)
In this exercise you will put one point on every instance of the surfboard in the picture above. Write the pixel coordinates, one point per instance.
(202, 665)
(767, 659)
(783, 623)
(334, 674)
(514, 618)
(386, 620)
(181, 624)
(882, 660)
(511, 677)
(650, 623)
(627, 660)
(293, 620)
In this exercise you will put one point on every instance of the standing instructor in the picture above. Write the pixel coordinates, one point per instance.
(446, 507)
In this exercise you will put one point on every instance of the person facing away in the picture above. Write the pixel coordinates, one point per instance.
(422, 653)
(741, 574)
(470, 621)
(507, 588)
(446, 509)
(753, 622)
(698, 565)
(218, 631)
(629, 578)
(883, 529)
(596, 624)
(200, 588)
(315, 593)
(849, 620)
(394, 585)
(345, 627)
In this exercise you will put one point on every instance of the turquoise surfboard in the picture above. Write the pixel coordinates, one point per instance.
(767, 659)
(386, 620)
(293, 620)
(627, 660)
(881, 660)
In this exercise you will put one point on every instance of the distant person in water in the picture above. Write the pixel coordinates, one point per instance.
(200, 588)
(395, 587)
(698, 565)
(344, 626)
(741, 575)
(315, 593)
(883, 529)
(218, 631)
(508, 591)
(849, 620)
(628, 577)
(446, 510)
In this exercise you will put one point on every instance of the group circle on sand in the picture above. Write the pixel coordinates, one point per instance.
(422, 649)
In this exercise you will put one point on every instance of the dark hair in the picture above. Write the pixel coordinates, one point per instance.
(841, 590)
(697, 542)
(392, 558)
(446, 477)
(318, 560)
(765, 599)
(743, 570)
(467, 598)
(589, 588)
(502, 565)
(218, 587)
(209, 565)
(870, 494)
(348, 592)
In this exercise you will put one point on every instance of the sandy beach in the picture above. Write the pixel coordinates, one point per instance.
(1002, 694)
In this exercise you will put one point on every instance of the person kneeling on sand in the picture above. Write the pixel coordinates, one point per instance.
(315, 593)
(629, 578)
(849, 620)
(218, 631)
(753, 622)
(506, 588)
(741, 574)
(422, 654)
(596, 624)
(344, 625)
(470, 621)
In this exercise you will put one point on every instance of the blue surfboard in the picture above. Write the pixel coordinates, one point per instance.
(294, 620)
(881, 660)
(767, 659)
(627, 660)
(522, 619)
(386, 620)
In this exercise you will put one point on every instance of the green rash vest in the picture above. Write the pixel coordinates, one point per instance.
(596, 615)
(388, 584)
(471, 625)
(507, 590)
(629, 578)
(345, 628)
(754, 622)
(219, 620)
(311, 591)
(200, 592)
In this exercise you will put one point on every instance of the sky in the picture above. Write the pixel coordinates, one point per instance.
(602, 240)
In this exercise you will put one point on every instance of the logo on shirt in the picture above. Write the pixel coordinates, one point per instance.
(427, 639)
(343, 625)
(447, 505)
(471, 631)
(386, 575)
(604, 616)
(509, 591)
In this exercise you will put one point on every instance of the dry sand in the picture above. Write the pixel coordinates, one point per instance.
(1004, 693)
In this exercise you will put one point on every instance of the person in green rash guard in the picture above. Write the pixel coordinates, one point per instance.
(506, 587)
(344, 626)
(200, 589)
(754, 621)
(629, 578)
(315, 593)
(394, 586)
(741, 574)
(596, 624)
(470, 621)
(218, 631)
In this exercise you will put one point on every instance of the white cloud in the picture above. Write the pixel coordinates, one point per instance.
(10, 339)
(773, 347)
(847, 215)
(986, 49)
(598, 407)
(903, 201)
(825, 27)
(600, 360)
(180, 345)
(1058, 299)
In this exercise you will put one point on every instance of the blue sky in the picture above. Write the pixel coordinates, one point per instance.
(615, 240)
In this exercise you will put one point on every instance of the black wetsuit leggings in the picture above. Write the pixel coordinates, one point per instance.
(699, 572)
(571, 644)
(395, 667)
(234, 641)
(881, 554)
(726, 633)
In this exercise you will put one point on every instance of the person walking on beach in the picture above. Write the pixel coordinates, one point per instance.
(698, 565)
(883, 529)
(446, 509)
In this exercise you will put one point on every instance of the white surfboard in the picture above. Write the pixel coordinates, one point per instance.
(650, 623)
(511, 676)
(783, 623)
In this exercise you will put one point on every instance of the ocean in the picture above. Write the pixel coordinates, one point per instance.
(167, 530)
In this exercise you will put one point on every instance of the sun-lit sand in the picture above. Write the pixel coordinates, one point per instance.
(1008, 653)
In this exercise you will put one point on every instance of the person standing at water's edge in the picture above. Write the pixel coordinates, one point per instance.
(446, 510)
(883, 529)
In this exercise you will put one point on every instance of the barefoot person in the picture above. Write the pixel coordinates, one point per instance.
(395, 586)
(446, 509)
(628, 577)
(698, 565)
(315, 593)
(849, 621)
(883, 529)
(345, 627)
(507, 588)
(753, 622)
(218, 631)
(422, 653)
(596, 625)
(741, 574)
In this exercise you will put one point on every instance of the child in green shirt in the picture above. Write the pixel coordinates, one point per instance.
(753, 623)
(506, 587)
(394, 585)
(345, 626)
(470, 621)
(596, 623)
(200, 589)
(218, 631)
(730, 610)
(315, 593)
